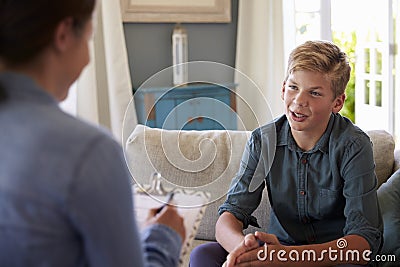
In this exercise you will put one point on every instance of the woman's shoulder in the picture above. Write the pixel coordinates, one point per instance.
(82, 131)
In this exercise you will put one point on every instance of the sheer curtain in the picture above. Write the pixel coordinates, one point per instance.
(260, 56)
(103, 91)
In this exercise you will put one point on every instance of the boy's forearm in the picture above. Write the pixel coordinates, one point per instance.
(229, 231)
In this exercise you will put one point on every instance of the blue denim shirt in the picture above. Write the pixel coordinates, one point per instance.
(316, 196)
(65, 192)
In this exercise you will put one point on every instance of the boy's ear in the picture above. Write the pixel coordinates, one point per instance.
(283, 89)
(63, 34)
(338, 103)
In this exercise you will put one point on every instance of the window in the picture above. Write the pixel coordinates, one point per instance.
(312, 18)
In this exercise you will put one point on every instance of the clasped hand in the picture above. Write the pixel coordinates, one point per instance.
(248, 252)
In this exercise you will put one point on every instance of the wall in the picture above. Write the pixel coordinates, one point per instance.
(149, 45)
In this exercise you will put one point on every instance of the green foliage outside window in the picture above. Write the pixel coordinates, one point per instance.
(347, 42)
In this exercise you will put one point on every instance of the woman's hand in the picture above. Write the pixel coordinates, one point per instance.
(168, 216)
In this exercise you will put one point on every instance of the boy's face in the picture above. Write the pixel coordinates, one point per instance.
(309, 102)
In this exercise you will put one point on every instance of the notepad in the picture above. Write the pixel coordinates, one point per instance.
(191, 206)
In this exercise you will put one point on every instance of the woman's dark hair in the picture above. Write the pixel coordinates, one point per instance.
(27, 26)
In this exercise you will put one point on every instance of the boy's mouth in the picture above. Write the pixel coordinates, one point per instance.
(298, 116)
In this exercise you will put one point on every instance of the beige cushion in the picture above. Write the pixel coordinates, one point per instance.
(383, 147)
(185, 158)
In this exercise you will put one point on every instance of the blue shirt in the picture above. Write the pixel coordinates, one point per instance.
(65, 193)
(316, 196)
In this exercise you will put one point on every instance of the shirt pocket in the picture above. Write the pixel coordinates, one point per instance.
(331, 203)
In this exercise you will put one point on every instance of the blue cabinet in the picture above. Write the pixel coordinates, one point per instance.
(191, 107)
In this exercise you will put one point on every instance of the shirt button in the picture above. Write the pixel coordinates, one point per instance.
(302, 192)
(304, 161)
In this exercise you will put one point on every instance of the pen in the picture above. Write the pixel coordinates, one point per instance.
(169, 199)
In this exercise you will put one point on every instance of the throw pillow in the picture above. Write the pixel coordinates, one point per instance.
(389, 201)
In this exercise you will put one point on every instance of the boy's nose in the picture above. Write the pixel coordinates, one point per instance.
(300, 99)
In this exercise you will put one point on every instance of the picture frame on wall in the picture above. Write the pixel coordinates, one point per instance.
(174, 11)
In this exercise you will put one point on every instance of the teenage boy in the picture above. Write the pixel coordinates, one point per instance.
(321, 182)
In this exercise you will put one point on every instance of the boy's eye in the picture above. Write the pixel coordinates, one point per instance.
(315, 94)
(293, 87)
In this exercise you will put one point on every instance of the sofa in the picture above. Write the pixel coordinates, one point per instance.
(208, 160)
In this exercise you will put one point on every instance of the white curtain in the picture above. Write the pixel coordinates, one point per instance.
(260, 56)
(103, 91)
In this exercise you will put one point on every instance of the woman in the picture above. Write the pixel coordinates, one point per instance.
(65, 197)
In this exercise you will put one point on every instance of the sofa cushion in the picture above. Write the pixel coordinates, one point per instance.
(383, 147)
(185, 158)
(389, 198)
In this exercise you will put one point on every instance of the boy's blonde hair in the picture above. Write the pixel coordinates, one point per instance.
(324, 57)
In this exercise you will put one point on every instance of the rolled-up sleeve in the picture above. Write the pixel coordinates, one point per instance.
(241, 201)
(360, 183)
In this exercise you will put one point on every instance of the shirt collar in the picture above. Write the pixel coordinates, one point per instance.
(22, 87)
(285, 137)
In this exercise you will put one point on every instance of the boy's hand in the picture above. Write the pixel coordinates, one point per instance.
(257, 257)
(249, 242)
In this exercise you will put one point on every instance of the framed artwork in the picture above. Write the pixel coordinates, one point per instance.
(175, 11)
